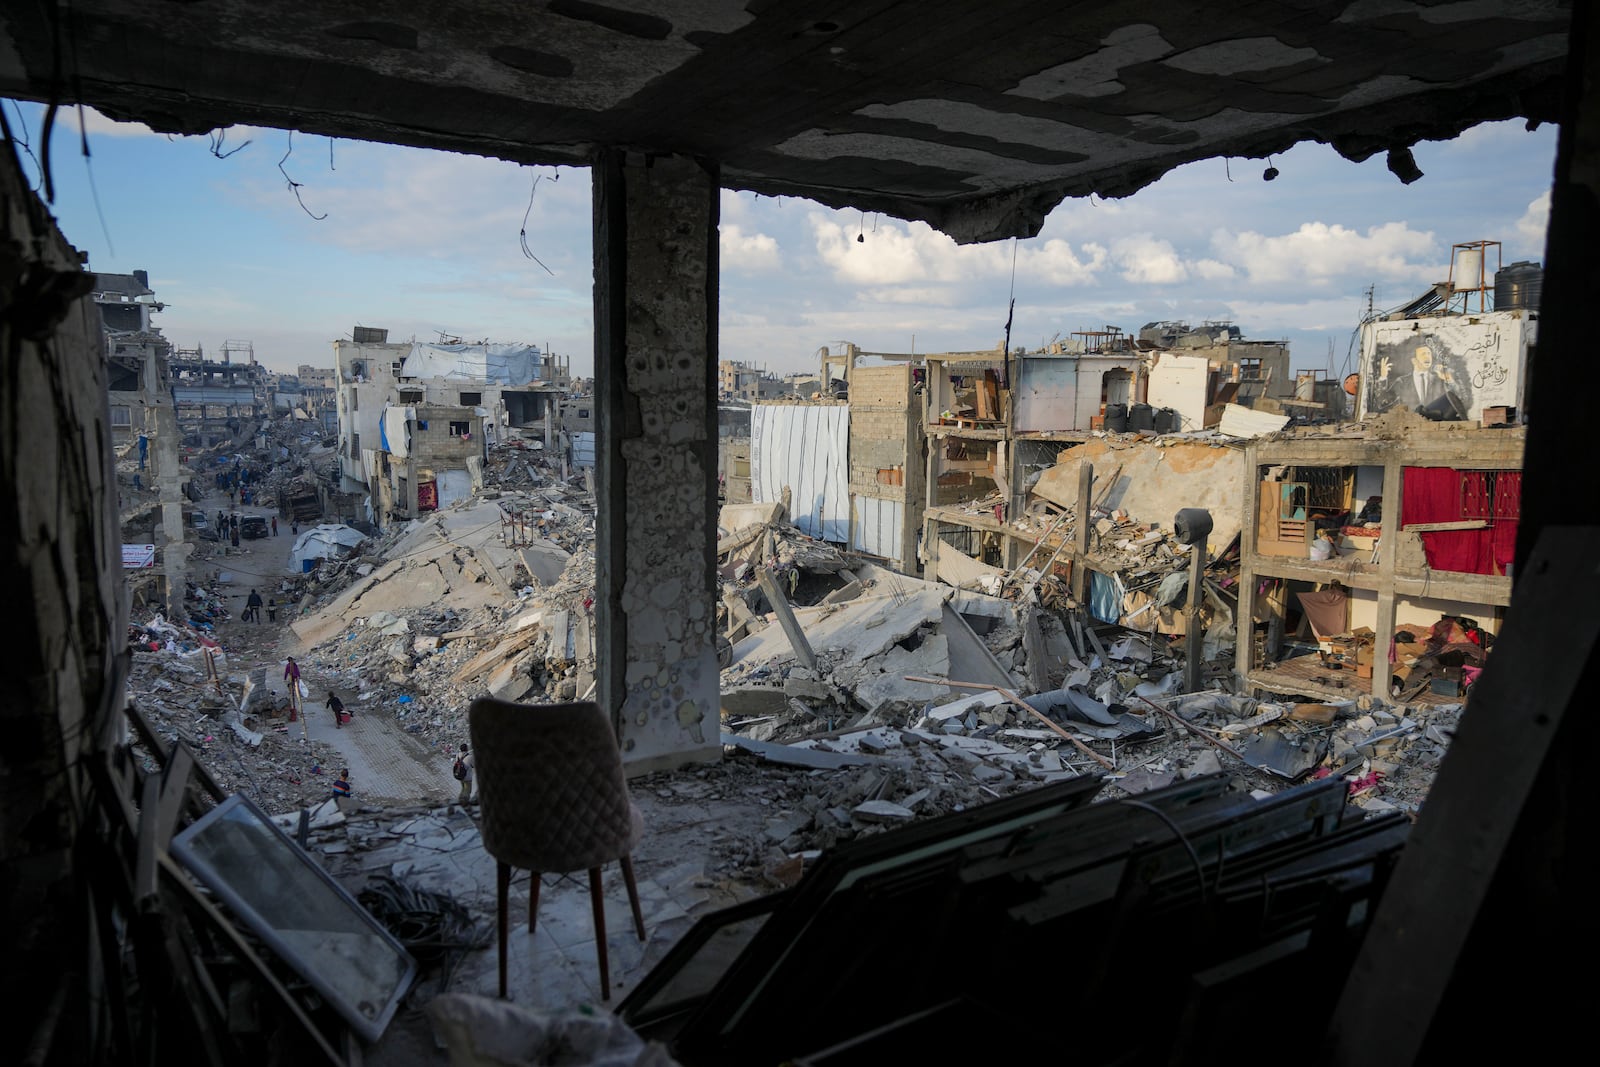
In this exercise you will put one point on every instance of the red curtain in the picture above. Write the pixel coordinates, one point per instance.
(1441, 494)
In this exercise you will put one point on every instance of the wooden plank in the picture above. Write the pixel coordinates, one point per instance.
(159, 807)
(490, 657)
(1435, 527)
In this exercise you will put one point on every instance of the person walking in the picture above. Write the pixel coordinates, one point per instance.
(272, 609)
(274, 526)
(291, 678)
(252, 608)
(462, 770)
(336, 706)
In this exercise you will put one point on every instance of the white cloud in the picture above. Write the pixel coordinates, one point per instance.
(1147, 260)
(1211, 270)
(1319, 253)
(1533, 223)
(933, 296)
(1057, 263)
(748, 251)
(893, 254)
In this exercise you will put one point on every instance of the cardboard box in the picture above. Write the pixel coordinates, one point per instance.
(1500, 415)
(1097, 422)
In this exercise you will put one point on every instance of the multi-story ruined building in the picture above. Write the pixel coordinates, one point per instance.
(412, 417)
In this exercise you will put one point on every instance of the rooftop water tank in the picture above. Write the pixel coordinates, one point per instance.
(1518, 285)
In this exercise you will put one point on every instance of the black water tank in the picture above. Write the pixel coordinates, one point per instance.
(1519, 285)
(1141, 417)
(1117, 418)
(1166, 420)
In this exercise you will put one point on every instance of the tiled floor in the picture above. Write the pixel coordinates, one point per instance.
(556, 968)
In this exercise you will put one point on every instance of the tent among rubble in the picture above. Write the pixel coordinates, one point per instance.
(327, 541)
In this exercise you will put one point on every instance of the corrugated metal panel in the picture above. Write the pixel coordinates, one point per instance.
(806, 449)
(879, 526)
(583, 450)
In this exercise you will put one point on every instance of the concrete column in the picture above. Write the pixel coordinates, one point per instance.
(655, 298)
(169, 482)
(1388, 562)
(1083, 522)
(1244, 621)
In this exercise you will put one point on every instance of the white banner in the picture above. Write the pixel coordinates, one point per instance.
(136, 557)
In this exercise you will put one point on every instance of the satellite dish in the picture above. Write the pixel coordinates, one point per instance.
(1352, 383)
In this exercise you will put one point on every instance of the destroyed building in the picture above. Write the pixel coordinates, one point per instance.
(1396, 950)
(450, 398)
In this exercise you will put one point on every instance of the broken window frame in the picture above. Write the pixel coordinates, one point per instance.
(186, 847)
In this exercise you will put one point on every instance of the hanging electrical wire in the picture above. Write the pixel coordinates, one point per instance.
(523, 234)
(218, 138)
(294, 186)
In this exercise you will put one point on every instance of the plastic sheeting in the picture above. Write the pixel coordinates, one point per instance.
(327, 541)
(495, 364)
(1105, 596)
(805, 448)
(879, 526)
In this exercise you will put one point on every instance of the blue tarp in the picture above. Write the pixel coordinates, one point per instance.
(1105, 597)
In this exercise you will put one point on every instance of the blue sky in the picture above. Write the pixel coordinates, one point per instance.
(427, 242)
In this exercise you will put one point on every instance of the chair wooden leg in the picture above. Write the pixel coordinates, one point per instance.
(533, 901)
(502, 885)
(599, 905)
(633, 895)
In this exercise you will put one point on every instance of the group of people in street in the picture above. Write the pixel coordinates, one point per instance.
(253, 605)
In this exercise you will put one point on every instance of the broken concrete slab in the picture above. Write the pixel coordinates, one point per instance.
(754, 700)
(882, 811)
(853, 632)
(795, 755)
(511, 680)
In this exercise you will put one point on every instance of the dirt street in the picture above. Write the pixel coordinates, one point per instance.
(388, 767)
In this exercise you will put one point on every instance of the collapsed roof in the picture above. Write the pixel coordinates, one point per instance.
(975, 118)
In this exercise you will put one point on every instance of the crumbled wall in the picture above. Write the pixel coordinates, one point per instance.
(62, 567)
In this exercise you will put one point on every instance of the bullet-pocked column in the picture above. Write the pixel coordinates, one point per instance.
(655, 299)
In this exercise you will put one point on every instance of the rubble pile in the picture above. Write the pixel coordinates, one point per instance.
(247, 744)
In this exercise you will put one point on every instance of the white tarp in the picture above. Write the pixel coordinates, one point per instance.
(805, 448)
(327, 541)
(879, 527)
(494, 364)
(396, 439)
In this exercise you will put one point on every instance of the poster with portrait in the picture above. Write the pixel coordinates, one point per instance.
(1448, 368)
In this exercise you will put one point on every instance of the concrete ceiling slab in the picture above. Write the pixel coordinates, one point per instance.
(977, 117)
